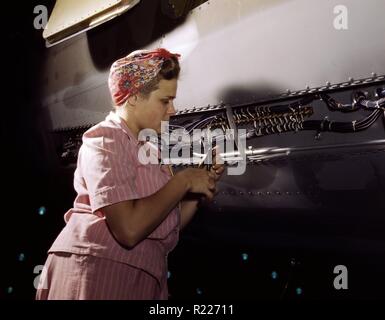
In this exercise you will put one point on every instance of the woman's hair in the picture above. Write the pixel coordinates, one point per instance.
(170, 69)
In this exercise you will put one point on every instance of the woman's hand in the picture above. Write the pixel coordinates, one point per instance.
(199, 181)
(216, 169)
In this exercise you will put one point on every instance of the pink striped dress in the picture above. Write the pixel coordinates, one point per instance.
(85, 261)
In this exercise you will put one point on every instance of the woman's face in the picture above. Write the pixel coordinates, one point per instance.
(158, 107)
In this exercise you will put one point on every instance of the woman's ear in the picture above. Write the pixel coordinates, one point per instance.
(132, 100)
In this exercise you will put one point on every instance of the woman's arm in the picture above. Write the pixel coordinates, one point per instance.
(131, 221)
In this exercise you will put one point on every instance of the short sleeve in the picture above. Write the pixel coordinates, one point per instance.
(107, 166)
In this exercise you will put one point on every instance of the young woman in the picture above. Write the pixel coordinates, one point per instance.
(126, 216)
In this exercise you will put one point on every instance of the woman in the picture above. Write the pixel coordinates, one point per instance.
(125, 218)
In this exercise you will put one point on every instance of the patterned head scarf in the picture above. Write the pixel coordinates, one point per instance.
(129, 74)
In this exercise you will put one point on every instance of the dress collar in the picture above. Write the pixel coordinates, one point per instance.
(123, 125)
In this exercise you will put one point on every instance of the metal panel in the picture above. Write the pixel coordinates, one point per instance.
(71, 17)
(266, 47)
(231, 51)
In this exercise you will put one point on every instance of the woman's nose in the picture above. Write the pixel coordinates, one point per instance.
(171, 110)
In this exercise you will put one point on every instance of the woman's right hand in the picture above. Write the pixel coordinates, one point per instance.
(199, 181)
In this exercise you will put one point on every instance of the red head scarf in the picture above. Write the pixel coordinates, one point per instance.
(129, 74)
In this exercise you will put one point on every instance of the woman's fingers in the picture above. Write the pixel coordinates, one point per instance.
(214, 156)
(212, 175)
(218, 166)
(209, 195)
(211, 186)
(217, 170)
